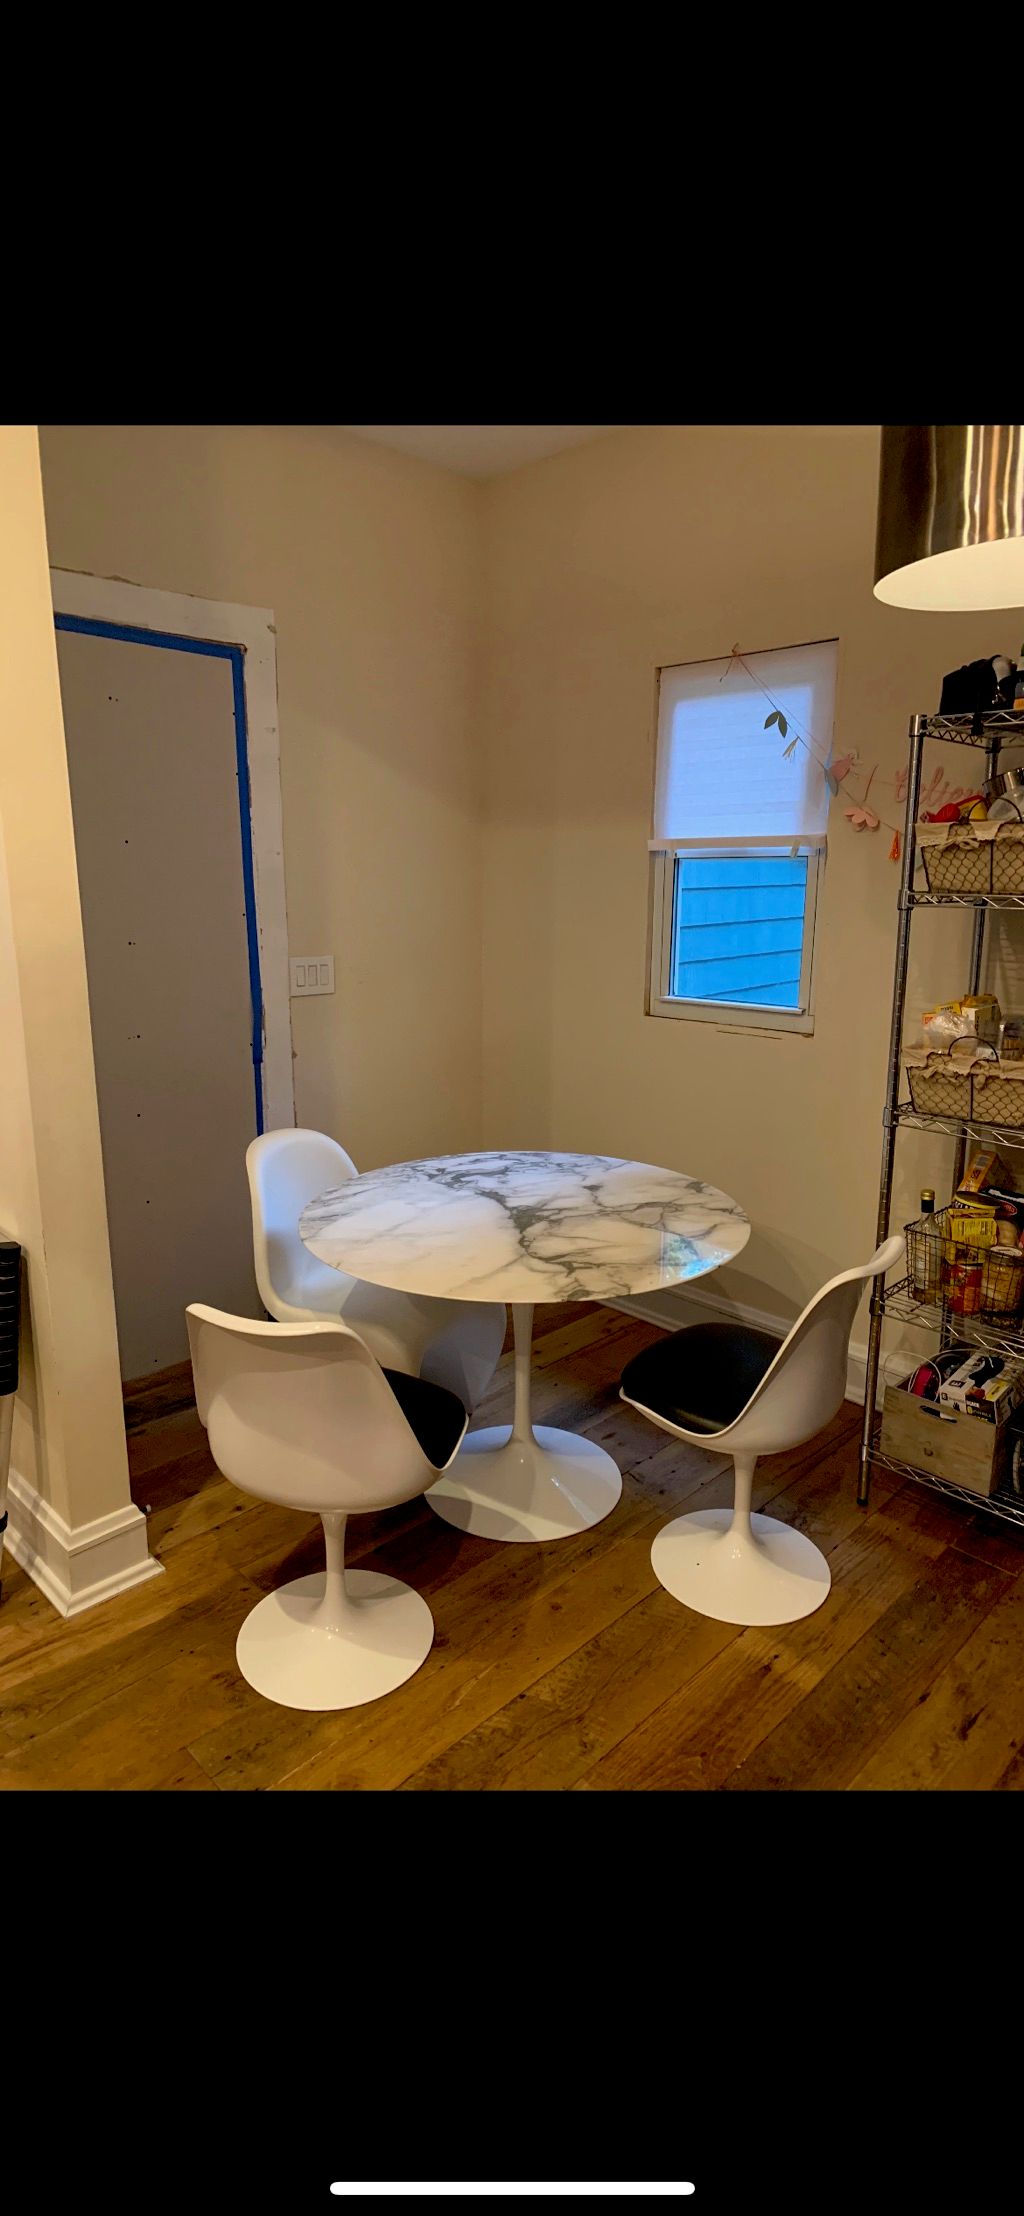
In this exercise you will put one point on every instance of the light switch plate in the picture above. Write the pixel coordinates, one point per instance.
(311, 973)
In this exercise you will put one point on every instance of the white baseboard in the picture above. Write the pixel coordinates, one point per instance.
(677, 1307)
(77, 1567)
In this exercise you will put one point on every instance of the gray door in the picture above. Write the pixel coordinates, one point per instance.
(151, 756)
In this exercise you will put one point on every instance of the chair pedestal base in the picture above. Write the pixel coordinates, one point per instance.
(764, 1574)
(520, 1489)
(287, 1651)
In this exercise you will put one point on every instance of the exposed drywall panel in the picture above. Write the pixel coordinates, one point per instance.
(370, 562)
(151, 754)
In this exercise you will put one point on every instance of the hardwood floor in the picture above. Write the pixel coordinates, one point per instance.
(561, 1666)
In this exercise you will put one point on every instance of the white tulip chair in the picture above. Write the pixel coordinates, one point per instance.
(303, 1415)
(742, 1392)
(454, 1343)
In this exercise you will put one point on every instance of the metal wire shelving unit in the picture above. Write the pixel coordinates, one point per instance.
(1000, 728)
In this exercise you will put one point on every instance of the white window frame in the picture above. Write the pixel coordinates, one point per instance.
(736, 1014)
(733, 1015)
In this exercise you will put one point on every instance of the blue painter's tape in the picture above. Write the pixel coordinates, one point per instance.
(248, 875)
(136, 635)
(93, 627)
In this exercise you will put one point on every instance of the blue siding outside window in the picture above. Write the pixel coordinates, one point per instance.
(738, 929)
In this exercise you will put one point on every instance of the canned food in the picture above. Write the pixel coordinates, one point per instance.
(961, 1282)
(1002, 1282)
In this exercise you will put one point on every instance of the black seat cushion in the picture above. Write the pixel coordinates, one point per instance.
(700, 1378)
(436, 1416)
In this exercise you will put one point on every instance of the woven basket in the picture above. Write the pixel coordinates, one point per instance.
(940, 1084)
(955, 861)
(997, 1092)
(1008, 859)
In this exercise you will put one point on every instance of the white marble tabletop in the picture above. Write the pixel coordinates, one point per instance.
(525, 1227)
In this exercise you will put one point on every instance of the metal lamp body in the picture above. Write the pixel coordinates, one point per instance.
(951, 516)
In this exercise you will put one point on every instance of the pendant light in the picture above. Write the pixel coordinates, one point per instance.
(951, 516)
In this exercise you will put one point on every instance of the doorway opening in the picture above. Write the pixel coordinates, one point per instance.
(135, 635)
(170, 712)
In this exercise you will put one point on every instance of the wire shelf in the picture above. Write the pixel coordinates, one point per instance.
(965, 900)
(958, 1127)
(999, 724)
(900, 1306)
(1004, 1503)
(997, 730)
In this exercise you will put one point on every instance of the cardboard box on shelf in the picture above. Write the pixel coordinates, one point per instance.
(988, 1386)
(945, 1442)
(985, 1169)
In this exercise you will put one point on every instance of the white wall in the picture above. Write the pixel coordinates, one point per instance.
(70, 1501)
(447, 649)
(670, 544)
(370, 561)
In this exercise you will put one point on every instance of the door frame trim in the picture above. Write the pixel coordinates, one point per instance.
(252, 632)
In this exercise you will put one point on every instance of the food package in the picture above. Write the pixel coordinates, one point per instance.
(985, 1170)
(971, 1223)
(976, 1016)
(985, 1385)
(1009, 1217)
(1011, 1039)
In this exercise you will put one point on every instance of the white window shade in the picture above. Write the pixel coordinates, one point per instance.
(721, 777)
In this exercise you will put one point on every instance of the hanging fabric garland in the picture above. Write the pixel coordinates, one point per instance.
(860, 817)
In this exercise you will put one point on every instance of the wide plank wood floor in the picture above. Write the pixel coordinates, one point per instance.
(554, 1667)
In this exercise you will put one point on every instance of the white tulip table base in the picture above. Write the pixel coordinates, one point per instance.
(526, 1482)
(303, 1650)
(740, 1569)
(541, 1485)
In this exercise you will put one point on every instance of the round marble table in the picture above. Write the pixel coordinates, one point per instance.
(524, 1228)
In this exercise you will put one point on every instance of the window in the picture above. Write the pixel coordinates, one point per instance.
(739, 836)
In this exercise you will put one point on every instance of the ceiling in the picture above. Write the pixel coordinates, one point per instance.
(480, 449)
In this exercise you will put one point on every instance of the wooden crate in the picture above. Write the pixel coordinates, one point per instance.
(968, 1450)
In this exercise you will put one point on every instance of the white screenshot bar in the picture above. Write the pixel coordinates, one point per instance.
(531, 2188)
